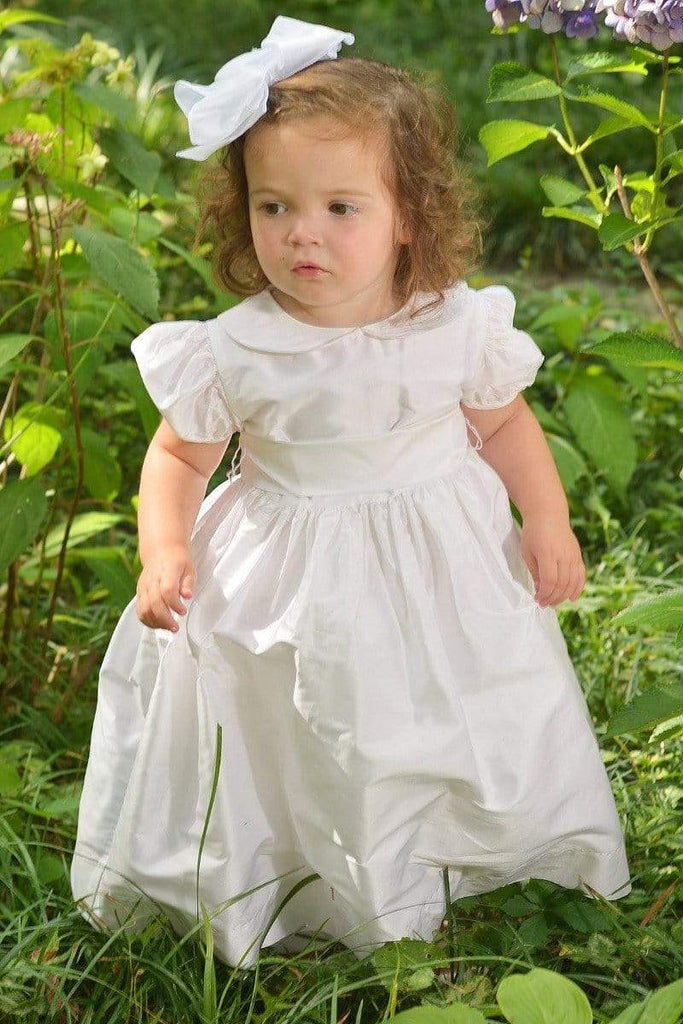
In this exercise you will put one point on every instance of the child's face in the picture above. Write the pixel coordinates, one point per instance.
(322, 201)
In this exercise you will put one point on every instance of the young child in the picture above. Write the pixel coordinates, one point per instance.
(367, 623)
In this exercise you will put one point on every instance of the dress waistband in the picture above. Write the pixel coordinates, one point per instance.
(347, 465)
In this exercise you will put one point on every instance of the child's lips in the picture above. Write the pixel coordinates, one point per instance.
(308, 270)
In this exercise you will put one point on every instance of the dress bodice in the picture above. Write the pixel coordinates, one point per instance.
(340, 408)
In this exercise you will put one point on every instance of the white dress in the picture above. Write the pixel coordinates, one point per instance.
(392, 699)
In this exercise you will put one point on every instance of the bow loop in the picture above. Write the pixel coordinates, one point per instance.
(221, 112)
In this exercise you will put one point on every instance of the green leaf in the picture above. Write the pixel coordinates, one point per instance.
(82, 527)
(456, 1013)
(608, 126)
(513, 82)
(12, 344)
(534, 931)
(13, 237)
(22, 507)
(542, 997)
(570, 463)
(601, 63)
(40, 435)
(12, 113)
(107, 564)
(627, 111)
(121, 267)
(10, 780)
(15, 17)
(663, 1006)
(135, 226)
(662, 612)
(603, 429)
(616, 230)
(640, 348)
(111, 102)
(559, 191)
(102, 473)
(502, 138)
(647, 710)
(130, 158)
(403, 957)
(585, 215)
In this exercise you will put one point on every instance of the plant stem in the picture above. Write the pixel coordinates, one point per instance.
(593, 195)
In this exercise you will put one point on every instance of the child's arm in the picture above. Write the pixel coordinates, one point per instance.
(514, 445)
(173, 483)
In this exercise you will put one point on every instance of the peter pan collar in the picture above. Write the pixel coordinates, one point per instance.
(260, 323)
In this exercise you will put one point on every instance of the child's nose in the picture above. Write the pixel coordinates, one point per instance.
(304, 229)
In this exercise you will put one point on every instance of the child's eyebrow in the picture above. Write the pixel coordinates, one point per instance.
(329, 192)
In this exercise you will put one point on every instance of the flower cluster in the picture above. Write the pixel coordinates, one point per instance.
(659, 23)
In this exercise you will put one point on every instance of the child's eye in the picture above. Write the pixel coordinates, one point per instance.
(350, 206)
(264, 205)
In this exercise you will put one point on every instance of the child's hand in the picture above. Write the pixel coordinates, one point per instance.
(553, 555)
(166, 576)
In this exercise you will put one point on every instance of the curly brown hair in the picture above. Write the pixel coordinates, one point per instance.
(412, 125)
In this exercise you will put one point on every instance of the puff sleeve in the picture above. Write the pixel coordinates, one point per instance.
(504, 360)
(179, 371)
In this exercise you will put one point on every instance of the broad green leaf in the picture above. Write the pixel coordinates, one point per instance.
(534, 931)
(600, 63)
(511, 81)
(403, 957)
(456, 1013)
(203, 268)
(109, 568)
(22, 507)
(131, 159)
(608, 126)
(83, 527)
(101, 470)
(40, 436)
(616, 229)
(584, 215)
(647, 710)
(98, 198)
(10, 780)
(559, 191)
(662, 612)
(13, 237)
(580, 912)
(627, 111)
(570, 463)
(134, 226)
(640, 348)
(121, 267)
(12, 113)
(663, 1006)
(12, 344)
(120, 107)
(15, 17)
(603, 429)
(502, 138)
(542, 997)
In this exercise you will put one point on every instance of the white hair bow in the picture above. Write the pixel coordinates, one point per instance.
(220, 112)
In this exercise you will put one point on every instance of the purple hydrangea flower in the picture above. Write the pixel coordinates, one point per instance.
(659, 23)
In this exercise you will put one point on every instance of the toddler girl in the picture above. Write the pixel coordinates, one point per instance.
(351, 638)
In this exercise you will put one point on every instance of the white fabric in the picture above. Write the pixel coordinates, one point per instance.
(363, 628)
(238, 96)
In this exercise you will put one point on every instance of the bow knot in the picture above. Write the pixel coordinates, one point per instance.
(221, 112)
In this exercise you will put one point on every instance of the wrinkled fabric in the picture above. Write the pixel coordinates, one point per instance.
(363, 628)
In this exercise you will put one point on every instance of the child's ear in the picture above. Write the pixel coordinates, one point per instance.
(403, 236)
